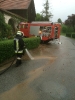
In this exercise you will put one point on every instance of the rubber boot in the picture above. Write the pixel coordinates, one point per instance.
(20, 62)
(17, 63)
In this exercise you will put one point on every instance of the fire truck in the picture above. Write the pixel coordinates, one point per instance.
(49, 31)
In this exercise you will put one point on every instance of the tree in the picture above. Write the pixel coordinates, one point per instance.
(38, 17)
(59, 21)
(46, 13)
(71, 21)
(2, 21)
(5, 29)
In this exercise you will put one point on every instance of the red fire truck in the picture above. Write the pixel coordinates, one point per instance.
(49, 31)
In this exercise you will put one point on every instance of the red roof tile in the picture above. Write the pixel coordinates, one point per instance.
(15, 4)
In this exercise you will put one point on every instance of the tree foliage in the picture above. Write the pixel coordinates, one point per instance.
(71, 21)
(59, 21)
(39, 17)
(5, 29)
(45, 14)
(64, 28)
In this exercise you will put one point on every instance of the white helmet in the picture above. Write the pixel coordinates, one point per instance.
(20, 33)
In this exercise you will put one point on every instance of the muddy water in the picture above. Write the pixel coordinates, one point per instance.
(23, 90)
(42, 52)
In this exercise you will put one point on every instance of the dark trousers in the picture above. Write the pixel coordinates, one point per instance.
(18, 61)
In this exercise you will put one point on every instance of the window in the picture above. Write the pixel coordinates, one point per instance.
(26, 25)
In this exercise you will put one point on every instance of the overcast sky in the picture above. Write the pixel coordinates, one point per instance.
(59, 8)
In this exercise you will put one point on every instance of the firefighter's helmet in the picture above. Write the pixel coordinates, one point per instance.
(20, 33)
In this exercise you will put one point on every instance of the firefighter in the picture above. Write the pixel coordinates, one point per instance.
(40, 33)
(19, 47)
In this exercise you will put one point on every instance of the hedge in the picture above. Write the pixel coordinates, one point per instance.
(32, 42)
(68, 35)
(73, 35)
(7, 47)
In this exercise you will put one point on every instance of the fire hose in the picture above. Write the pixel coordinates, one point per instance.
(14, 60)
(1, 72)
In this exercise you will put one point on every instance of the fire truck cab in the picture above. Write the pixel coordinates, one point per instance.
(49, 31)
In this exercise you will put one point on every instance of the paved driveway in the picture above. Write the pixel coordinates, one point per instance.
(50, 76)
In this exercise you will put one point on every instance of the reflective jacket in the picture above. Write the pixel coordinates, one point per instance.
(18, 44)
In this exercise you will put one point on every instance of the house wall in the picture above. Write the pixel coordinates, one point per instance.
(31, 12)
(7, 17)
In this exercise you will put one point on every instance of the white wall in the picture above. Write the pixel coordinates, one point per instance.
(7, 17)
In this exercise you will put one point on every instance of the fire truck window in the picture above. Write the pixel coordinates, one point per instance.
(26, 25)
(23, 26)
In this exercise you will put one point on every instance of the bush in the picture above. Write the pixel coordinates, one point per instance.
(6, 50)
(69, 30)
(32, 42)
(64, 28)
(5, 29)
(7, 47)
(68, 35)
(73, 35)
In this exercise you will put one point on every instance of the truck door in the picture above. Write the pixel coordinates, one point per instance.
(25, 29)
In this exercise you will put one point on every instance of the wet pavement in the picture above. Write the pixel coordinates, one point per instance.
(50, 76)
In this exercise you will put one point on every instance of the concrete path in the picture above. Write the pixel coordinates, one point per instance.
(50, 76)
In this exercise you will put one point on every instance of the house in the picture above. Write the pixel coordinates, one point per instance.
(23, 8)
(12, 19)
(8, 15)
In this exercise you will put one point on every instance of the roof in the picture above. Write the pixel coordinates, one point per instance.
(10, 13)
(14, 4)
